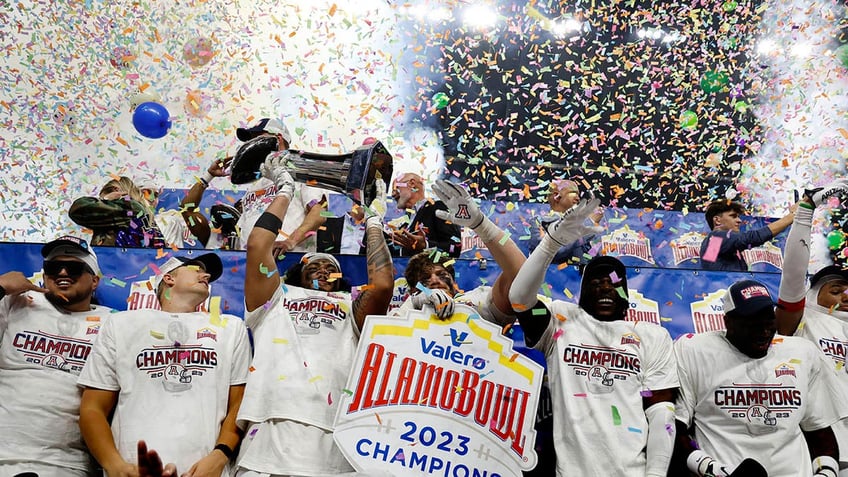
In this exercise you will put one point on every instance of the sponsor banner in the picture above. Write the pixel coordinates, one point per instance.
(684, 301)
(432, 398)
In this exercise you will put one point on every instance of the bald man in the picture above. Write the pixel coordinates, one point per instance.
(423, 229)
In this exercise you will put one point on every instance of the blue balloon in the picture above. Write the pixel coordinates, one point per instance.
(151, 120)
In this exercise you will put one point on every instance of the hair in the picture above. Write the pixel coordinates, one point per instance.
(125, 183)
(292, 276)
(719, 207)
(423, 262)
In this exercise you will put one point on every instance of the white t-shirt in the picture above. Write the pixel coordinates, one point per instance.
(830, 334)
(42, 352)
(261, 194)
(174, 229)
(598, 372)
(743, 407)
(173, 372)
(305, 342)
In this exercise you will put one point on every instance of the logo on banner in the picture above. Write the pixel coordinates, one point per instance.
(143, 297)
(471, 241)
(400, 294)
(641, 308)
(708, 313)
(687, 247)
(428, 397)
(625, 242)
(766, 253)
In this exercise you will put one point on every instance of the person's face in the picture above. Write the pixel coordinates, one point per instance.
(751, 335)
(561, 200)
(605, 303)
(70, 283)
(728, 221)
(437, 277)
(834, 295)
(406, 191)
(191, 278)
(151, 196)
(318, 274)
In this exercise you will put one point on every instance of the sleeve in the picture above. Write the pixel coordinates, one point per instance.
(734, 241)
(254, 319)
(660, 367)
(5, 312)
(443, 235)
(241, 354)
(684, 406)
(827, 400)
(95, 213)
(311, 196)
(100, 369)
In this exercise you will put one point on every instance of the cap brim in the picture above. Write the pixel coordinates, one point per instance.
(244, 134)
(211, 263)
(831, 270)
(46, 249)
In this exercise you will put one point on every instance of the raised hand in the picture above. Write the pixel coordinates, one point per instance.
(439, 299)
(820, 194)
(377, 207)
(462, 209)
(276, 169)
(570, 226)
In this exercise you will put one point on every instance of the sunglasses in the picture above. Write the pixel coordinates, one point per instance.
(72, 268)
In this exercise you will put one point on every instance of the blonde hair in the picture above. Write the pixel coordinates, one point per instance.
(126, 184)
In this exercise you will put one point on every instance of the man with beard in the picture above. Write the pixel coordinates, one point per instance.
(47, 334)
(423, 226)
(613, 382)
(755, 404)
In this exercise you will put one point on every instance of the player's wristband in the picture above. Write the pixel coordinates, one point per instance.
(825, 466)
(269, 222)
(227, 450)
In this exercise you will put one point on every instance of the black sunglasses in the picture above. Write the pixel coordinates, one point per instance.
(72, 268)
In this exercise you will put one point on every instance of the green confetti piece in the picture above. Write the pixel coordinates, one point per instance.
(120, 283)
(504, 239)
(616, 417)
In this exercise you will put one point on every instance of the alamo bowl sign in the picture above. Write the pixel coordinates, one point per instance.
(439, 398)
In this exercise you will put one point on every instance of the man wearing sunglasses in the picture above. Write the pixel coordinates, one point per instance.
(173, 377)
(46, 335)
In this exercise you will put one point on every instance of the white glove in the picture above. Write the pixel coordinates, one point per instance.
(376, 210)
(462, 210)
(276, 169)
(705, 466)
(570, 226)
(438, 299)
(819, 195)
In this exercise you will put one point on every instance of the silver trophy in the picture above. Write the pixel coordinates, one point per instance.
(352, 174)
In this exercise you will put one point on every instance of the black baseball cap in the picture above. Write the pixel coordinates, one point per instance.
(747, 298)
(828, 273)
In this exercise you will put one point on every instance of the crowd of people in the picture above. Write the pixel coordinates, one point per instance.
(154, 392)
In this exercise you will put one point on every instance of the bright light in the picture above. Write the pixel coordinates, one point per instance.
(423, 12)
(801, 50)
(659, 34)
(480, 16)
(564, 27)
(766, 47)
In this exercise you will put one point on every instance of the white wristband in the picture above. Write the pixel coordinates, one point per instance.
(206, 178)
(825, 466)
(698, 461)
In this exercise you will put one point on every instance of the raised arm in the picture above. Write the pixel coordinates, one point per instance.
(95, 213)
(375, 298)
(262, 278)
(197, 223)
(463, 211)
(522, 293)
(793, 278)
(313, 220)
